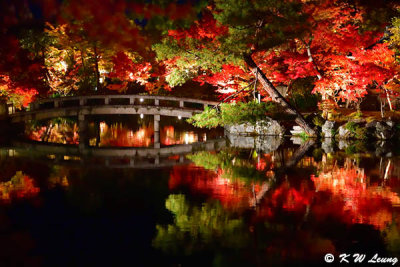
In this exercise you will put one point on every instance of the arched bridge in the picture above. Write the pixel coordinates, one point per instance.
(110, 104)
(82, 106)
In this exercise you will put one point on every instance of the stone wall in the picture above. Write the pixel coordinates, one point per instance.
(264, 127)
(359, 129)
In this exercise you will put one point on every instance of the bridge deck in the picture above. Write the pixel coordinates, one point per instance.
(110, 104)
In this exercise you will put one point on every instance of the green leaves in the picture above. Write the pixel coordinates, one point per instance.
(259, 24)
(233, 114)
(209, 118)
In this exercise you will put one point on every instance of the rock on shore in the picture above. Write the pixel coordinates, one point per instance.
(264, 127)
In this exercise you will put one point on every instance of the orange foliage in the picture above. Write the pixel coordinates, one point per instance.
(20, 186)
(18, 96)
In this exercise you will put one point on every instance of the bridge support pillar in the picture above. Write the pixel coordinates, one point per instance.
(83, 132)
(157, 131)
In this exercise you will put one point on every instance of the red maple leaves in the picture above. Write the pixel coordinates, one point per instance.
(19, 96)
(346, 60)
(205, 28)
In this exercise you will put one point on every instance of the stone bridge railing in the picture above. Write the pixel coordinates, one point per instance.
(110, 104)
(114, 100)
(82, 106)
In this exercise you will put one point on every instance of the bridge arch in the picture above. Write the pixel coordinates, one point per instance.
(82, 106)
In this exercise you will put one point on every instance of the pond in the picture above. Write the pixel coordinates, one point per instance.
(239, 201)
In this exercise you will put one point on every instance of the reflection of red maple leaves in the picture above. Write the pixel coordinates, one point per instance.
(341, 192)
(233, 194)
(290, 198)
(366, 203)
(20, 186)
(120, 136)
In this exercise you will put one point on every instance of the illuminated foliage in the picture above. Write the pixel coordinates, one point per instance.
(20, 186)
(345, 60)
(234, 113)
(80, 48)
(18, 96)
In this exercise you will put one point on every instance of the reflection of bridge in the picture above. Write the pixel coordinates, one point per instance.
(82, 106)
(111, 157)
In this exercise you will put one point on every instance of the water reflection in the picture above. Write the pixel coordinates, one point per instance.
(18, 187)
(122, 136)
(60, 131)
(318, 203)
(126, 133)
(369, 203)
(212, 205)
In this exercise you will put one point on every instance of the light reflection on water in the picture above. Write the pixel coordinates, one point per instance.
(336, 190)
(108, 134)
(229, 206)
(237, 183)
(19, 186)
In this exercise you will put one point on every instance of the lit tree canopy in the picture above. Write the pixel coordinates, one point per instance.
(65, 46)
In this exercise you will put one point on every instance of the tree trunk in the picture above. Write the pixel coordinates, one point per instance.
(276, 96)
(47, 76)
(299, 154)
(96, 65)
(311, 59)
(382, 110)
(388, 100)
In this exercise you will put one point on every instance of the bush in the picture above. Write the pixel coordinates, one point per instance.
(233, 114)
(209, 118)
(357, 130)
(351, 126)
(318, 121)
